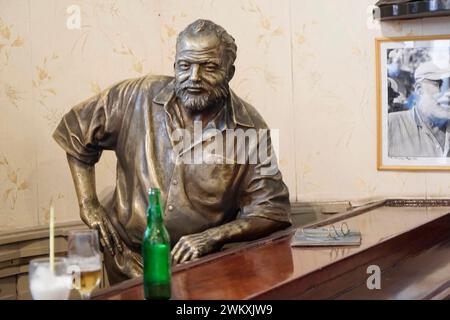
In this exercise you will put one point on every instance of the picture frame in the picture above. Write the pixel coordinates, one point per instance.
(413, 103)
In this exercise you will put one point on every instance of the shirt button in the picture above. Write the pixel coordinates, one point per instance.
(170, 207)
(175, 182)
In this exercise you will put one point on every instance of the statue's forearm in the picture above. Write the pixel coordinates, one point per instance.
(83, 176)
(91, 212)
(245, 229)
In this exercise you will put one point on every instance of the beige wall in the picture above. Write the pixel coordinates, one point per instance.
(307, 65)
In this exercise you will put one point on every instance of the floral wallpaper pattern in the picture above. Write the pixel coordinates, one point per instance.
(307, 66)
(13, 183)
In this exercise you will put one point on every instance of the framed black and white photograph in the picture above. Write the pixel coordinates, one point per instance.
(413, 97)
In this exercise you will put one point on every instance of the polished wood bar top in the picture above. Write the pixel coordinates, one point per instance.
(423, 276)
(272, 269)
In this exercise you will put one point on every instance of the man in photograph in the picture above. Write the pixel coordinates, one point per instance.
(424, 130)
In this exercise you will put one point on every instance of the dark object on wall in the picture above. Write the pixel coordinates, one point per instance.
(382, 3)
(410, 9)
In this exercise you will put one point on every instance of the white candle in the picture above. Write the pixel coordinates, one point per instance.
(52, 239)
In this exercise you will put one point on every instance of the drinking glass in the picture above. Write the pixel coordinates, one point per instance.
(85, 261)
(48, 285)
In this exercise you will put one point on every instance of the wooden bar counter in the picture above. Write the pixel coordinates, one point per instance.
(408, 239)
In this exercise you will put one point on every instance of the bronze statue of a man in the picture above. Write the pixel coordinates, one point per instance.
(206, 204)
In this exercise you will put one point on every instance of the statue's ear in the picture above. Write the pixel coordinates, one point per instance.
(231, 71)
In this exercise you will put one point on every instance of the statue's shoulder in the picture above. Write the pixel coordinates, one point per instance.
(148, 84)
(152, 83)
(151, 80)
(247, 113)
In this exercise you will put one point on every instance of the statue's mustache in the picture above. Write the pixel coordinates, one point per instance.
(191, 85)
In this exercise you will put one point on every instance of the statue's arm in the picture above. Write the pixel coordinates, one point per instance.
(84, 132)
(91, 211)
(246, 229)
(264, 208)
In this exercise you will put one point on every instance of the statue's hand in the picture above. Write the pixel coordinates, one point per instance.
(193, 246)
(96, 218)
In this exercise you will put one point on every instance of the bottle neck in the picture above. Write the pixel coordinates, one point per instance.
(154, 212)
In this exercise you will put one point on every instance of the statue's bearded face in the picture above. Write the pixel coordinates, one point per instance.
(201, 72)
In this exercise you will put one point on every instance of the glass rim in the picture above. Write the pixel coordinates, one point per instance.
(84, 231)
(46, 260)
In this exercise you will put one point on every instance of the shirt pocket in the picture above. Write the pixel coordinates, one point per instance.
(212, 182)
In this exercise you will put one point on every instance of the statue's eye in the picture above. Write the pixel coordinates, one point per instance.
(210, 67)
(183, 66)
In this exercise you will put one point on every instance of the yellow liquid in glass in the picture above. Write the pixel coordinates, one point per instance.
(89, 280)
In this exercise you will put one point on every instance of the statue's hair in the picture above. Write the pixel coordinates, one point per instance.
(206, 26)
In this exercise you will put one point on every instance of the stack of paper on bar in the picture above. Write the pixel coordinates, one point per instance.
(325, 237)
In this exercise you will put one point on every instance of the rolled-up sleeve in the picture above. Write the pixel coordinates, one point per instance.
(265, 194)
(93, 125)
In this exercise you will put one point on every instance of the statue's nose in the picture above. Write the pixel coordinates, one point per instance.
(195, 73)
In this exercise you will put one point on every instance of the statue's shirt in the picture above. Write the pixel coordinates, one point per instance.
(137, 119)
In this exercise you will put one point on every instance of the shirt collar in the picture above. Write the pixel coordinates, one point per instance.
(166, 93)
(238, 110)
(417, 118)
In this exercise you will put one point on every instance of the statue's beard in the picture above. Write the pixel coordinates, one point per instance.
(209, 97)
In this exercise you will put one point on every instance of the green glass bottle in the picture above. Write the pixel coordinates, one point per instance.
(156, 251)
